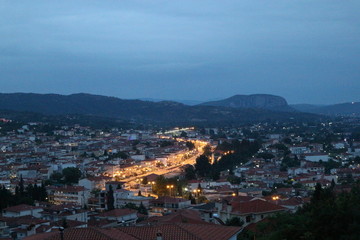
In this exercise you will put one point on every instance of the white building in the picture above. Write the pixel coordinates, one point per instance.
(123, 197)
(316, 157)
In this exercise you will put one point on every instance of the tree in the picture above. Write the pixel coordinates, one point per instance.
(207, 150)
(234, 179)
(145, 181)
(190, 173)
(202, 165)
(110, 198)
(43, 193)
(265, 155)
(183, 134)
(160, 186)
(21, 186)
(64, 223)
(5, 197)
(56, 177)
(190, 145)
(71, 175)
(191, 198)
(142, 209)
(234, 221)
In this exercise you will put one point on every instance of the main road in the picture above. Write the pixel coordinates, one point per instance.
(199, 145)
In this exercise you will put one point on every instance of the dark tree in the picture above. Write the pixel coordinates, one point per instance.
(234, 221)
(144, 181)
(190, 173)
(71, 175)
(203, 166)
(110, 198)
(190, 145)
(142, 209)
(56, 177)
(21, 186)
(207, 150)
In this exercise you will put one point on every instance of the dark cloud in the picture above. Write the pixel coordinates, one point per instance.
(306, 51)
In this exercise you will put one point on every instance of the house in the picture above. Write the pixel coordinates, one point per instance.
(21, 226)
(68, 194)
(250, 211)
(299, 149)
(123, 197)
(94, 182)
(168, 204)
(293, 203)
(119, 217)
(22, 210)
(207, 212)
(316, 157)
(68, 211)
(180, 216)
(114, 185)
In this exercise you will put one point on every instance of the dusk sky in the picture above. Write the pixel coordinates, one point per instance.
(306, 51)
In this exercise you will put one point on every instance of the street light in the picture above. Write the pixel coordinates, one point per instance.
(170, 187)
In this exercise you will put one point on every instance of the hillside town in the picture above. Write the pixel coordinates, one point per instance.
(204, 183)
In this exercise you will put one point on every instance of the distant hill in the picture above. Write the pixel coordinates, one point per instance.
(186, 102)
(305, 107)
(258, 101)
(343, 109)
(139, 111)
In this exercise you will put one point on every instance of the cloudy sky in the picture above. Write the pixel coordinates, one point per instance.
(306, 51)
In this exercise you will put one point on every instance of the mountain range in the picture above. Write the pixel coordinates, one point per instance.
(259, 101)
(351, 109)
(235, 110)
(277, 103)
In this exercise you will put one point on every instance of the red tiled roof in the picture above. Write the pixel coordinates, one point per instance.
(20, 208)
(169, 231)
(70, 189)
(255, 206)
(83, 234)
(180, 216)
(117, 212)
(294, 201)
(183, 231)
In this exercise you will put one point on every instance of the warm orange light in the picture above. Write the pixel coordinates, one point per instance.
(275, 198)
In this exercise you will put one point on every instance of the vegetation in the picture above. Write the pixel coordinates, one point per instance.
(141, 209)
(110, 198)
(190, 145)
(240, 152)
(327, 216)
(234, 221)
(168, 187)
(22, 195)
(71, 175)
(289, 162)
(203, 166)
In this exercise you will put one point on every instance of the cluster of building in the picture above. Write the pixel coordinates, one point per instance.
(117, 161)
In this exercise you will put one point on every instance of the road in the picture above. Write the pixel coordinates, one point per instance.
(174, 167)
